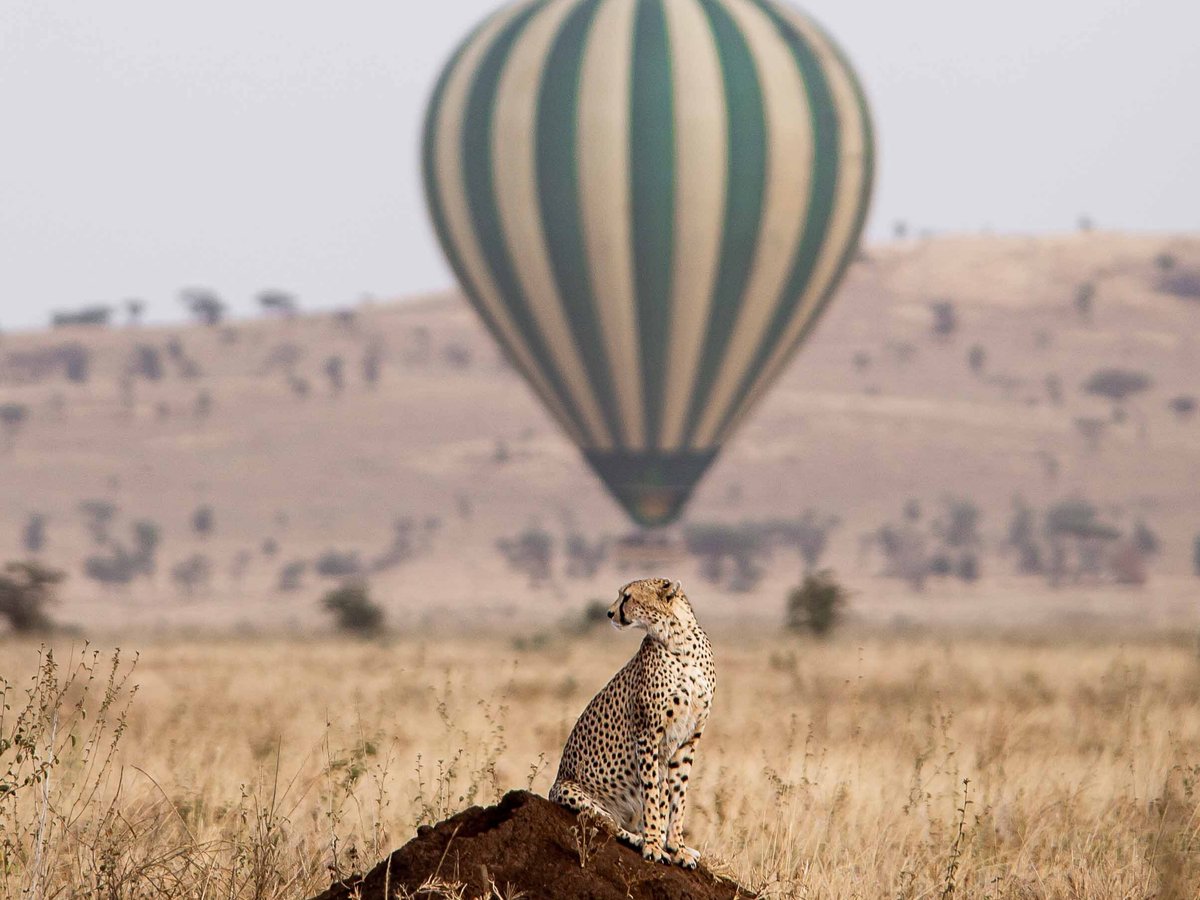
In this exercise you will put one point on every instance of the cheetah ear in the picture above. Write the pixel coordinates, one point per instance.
(673, 590)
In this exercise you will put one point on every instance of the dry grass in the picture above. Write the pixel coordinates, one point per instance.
(870, 768)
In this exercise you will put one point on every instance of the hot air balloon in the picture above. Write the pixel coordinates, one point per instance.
(649, 203)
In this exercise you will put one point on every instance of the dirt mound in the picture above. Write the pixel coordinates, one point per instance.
(525, 844)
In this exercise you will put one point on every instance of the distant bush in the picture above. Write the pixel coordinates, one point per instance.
(808, 535)
(1183, 406)
(1091, 430)
(33, 536)
(145, 361)
(193, 574)
(93, 316)
(99, 515)
(290, 575)
(1182, 283)
(118, 566)
(12, 417)
(945, 318)
(372, 363)
(531, 552)
(595, 613)
(1085, 296)
(457, 356)
(401, 548)
(1054, 389)
(278, 302)
(1079, 519)
(977, 358)
(1165, 261)
(1196, 556)
(335, 369)
(584, 557)
(1145, 541)
(332, 564)
(720, 547)
(72, 360)
(967, 567)
(817, 605)
(353, 610)
(203, 520)
(1117, 384)
(134, 309)
(26, 590)
(203, 304)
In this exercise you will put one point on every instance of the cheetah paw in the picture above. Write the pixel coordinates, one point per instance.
(684, 856)
(630, 839)
(655, 853)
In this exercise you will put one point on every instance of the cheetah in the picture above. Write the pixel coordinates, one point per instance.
(629, 756)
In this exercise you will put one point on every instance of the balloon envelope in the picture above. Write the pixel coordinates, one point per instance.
(649, 203)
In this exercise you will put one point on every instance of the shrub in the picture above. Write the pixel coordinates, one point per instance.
(26, 589)
(278, 302)
(1078, 519)
(809, 535)
(532, 552)
(353, 610)
(33, 538)
(118, 567)
(1183, 406)
(977, 358)
(593, 615)
(100, 514)
(333, 564)
(945, 318)
(98, 315)
(146, 362)
(967, 568)
(12, 417)
(335, 368)
(1085, 294)
(203, 520)
(584, 557)
(291, 574)
(1117, 384)
(817, 605)
(204, 305)
(1182, 283)
(1165, 261)
(192, 574)
(1145, 541)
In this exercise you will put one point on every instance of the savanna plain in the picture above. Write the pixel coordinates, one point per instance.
(870, 765)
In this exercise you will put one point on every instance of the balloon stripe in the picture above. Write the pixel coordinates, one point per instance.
(701, 150)
(444, 179)
(746, 126)
(789, 173)
(652, 182)
(514, 160)
(558, 200)
(602, 145)
(479, 172)
(824, 180)
(852, 202)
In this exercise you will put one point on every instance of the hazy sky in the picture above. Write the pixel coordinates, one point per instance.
(146, 145)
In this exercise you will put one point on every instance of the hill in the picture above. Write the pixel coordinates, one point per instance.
(265, 459)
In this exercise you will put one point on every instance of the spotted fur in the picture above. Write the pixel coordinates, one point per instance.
(630, 754)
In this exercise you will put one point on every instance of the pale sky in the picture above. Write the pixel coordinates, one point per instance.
(148, 145)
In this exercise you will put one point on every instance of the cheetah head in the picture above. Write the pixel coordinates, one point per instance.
(649, 603)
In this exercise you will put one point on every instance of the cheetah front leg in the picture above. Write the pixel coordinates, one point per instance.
(679, 769)
(654, 807)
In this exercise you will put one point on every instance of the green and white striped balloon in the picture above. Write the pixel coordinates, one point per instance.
(649, 203)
